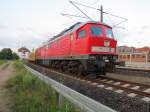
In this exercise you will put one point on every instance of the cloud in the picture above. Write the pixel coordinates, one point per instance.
(16, 38)
(3, 27)
(29, 23)
(136, 36)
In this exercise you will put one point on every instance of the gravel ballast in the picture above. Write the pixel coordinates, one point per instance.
(117, 101)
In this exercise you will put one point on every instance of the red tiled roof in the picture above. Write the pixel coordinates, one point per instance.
(143, 49)
(23, 49)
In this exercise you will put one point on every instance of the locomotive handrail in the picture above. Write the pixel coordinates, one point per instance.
(85, 103)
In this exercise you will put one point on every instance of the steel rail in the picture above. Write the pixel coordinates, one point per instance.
(133, 69)
(124, 81)
(122, 88)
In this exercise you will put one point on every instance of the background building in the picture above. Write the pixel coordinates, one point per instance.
(133, 54)
(23, 52)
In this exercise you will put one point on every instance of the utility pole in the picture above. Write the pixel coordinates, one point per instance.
(101, 14)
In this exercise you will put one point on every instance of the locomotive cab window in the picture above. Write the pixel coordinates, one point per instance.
(81, 34)
(109, 33)
(96, 31)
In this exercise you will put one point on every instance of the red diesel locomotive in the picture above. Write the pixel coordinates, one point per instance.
(83, 48)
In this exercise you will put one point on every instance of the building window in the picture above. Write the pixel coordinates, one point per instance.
(124, 56)
(133, 56)
(143, 56)
(138, 55)
(120, 56)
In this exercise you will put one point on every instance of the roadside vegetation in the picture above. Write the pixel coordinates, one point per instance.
(7, 54)
(2, 62)
(30, 94)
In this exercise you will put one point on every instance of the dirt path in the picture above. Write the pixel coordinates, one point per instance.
(6, 71)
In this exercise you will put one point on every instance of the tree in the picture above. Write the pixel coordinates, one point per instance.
(15, 56)
(1, 55)
(6, 53)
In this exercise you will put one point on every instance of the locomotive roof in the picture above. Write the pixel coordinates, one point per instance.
(74, 27)
(66, 30)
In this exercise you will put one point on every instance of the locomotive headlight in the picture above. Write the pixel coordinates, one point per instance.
(106, 43)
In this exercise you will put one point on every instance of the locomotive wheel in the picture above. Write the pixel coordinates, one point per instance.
(103, 71)
(72, 67)
(65, 67)
(113, 69)
(81, 71)
(61, 66)
(53, 65)
(97, 75)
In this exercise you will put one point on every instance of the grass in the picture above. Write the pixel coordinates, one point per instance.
(5, 65)
(30, 94)
(2, 62)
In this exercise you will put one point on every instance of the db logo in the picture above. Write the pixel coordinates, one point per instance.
(106, 43)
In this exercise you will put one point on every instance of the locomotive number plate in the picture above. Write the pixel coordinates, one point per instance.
(100, 49)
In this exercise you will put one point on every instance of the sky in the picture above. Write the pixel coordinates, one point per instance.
(31, 22)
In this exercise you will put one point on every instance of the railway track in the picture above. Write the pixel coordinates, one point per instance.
(121, 86)
(133, 71)
(131, 89)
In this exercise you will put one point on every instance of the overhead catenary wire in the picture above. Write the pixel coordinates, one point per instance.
(94, 2)
(98, 10)
(119, 23)
(76, 15)
(88, 17)
(83, 5)
(114, 25)
(80, 10)
(63, 14)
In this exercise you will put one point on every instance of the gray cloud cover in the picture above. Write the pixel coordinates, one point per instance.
(30, 22)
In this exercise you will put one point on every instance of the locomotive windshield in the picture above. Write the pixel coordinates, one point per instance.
(109, 33)
(96, 31)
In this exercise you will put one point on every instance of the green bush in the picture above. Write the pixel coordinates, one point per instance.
(7, 54)
(33, 95)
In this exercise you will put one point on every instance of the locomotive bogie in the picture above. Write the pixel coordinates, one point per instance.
(90, 64)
